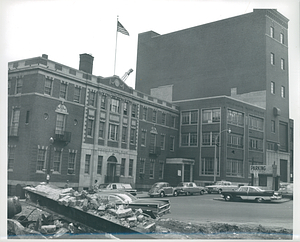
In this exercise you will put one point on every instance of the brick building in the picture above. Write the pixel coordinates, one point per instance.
(228, 74)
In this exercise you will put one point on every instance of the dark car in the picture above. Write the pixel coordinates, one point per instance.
(122, 187)
(188, 188)
(286, 190)
(152, 207)
(250, 193)
(161, 189)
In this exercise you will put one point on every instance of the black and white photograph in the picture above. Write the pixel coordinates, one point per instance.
(150, 119)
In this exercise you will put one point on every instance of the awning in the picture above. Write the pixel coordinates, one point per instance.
(182, 161)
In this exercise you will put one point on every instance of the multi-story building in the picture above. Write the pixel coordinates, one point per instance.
(232, 74)
(67, 125)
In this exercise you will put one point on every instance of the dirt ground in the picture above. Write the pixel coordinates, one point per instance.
(167, 228)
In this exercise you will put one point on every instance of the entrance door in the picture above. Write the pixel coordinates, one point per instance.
(187, 173)
(283, 170)
(111, 175)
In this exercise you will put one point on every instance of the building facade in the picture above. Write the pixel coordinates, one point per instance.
(244, 58)
(69, 126)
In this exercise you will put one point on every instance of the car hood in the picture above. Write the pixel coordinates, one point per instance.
(151, 201)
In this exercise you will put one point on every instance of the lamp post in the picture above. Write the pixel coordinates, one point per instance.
(51, 141)
(215, 160)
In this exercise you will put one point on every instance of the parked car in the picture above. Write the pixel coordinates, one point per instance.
(286, 190)
(123, 187)
(154, 208)
(220, 186)
(161, 189)
(188, 188)
(250, 193)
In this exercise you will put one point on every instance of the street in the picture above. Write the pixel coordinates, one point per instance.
(211, 208)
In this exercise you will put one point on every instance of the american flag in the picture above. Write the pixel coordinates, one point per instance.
(121, 29)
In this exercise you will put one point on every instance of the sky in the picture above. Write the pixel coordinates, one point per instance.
(64, 29)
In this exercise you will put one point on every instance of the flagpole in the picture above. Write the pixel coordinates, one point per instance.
(116, 46)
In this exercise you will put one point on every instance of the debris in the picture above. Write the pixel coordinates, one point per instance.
(48, 229)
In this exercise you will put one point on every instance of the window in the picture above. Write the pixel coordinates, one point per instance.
(211, 116)
(19, 85)
(124, 134)
(125, 108)
(256, 123)
(15, 122)
(63, 90)
(282, 38)
(41, 159)
(185, 117)
(272, 126)
(48, 87)
(151, 169)
(132, 136)
(194, 117)
(173, 122)
(60, 124)
(130, 171)
(142, 165)
(27, 117)
(272, 32)
(9, 86)
(282, 91)
(101, 129)
(89, 128)
(154, 116)
(71, 162)
(163, 118)
(144, 114)
(235, 140)
(77, 92)
(189, 139)
(209, 138)
(234, 117)
(122, 170)
(92, 97)
(272, 87)
(57, 161)
(113, 132)
(133, 110)
(255, 144)
(172, 143)
(272, 59)
(161, 170)
(103, 101)
(11, 157)
(162, 141)
(207, 166)
(99, 165)
(87, 164)
(282, 65)
(115, 105)
(234, 168)
(143, 137)
(152, 144)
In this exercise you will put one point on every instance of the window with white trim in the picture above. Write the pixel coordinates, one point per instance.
(272, 58)
(113, 132)
(162, 141)
(130, 168)
(151, 169)
(282, 64)
(255, 144)
(154, 116)
(19, 85)
(211, 115)
(11, 157)
(272, 32)
(189, 139)
(57, 160)
(235, 117)
(144, 114)
(124, 134)
(103, 101)
(99, 164)
(161, 170)
(63, 90)
(282, 38)
(101, 129)
(143, 137)
(209, 138)
(115, 105)
(87, 164)
(163, 119)
(132, 135)
(60, 123)
(41, 159)
(172, 143)
(282, 91)
(256, 123)
(48, 87)
(77, 92)
(207, 166)
(122, 168)
(235, 140)
(234, 168)
(142, 165)
(272, 87)
(15, 122)
(71, 162)
(92, 98)
(189, 117)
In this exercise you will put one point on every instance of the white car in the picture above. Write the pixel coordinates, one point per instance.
(220, 186)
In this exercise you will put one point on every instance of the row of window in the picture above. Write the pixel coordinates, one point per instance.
(154, 118)
(282, 89)
(151, 168)
(281, 35)
(282, 61)
(153, 141)
(233, 167)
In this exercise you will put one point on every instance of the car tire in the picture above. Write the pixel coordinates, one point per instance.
(220, 191)
(259, 200)
(162, 194)
(175, 194)
(151, 196)
(201, 192)
(228, 198)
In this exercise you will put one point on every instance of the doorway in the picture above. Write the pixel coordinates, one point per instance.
(111, 173)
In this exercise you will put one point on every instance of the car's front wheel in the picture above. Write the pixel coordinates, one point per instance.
(228, 198)
(175, 194)
(201, 192)
(162, 194)
(259, 200)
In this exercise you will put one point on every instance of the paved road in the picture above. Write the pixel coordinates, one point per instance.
(210, 208)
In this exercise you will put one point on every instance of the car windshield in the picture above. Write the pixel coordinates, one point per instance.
(157, 185)
(127, 197)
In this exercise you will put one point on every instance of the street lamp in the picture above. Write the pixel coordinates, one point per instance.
(51, 141)
(215, 160)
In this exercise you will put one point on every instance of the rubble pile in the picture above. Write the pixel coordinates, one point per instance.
(98, 205)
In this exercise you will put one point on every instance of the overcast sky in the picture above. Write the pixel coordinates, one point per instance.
(63, 29)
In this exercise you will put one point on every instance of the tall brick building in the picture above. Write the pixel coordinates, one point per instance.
(226, 75)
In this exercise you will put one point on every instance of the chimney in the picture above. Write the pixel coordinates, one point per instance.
(86, 63)
(45, 56)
